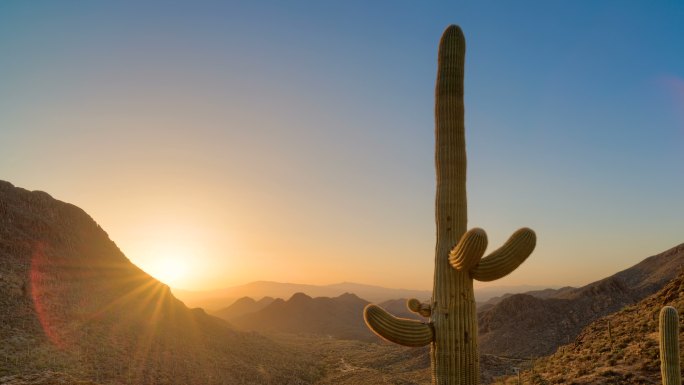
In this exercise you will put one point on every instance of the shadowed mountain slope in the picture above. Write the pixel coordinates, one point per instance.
(542, 293)
(339, 317)
(523, 325)
(72, 303)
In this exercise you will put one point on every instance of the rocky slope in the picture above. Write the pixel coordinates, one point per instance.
(523, 325)
(44, 378)
(628, 354)
(72, 303)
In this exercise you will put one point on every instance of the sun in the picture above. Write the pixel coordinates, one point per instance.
(168, 264)
(171, 270)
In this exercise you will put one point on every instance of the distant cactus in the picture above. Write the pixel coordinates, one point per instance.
(669, 346)
(452, 330)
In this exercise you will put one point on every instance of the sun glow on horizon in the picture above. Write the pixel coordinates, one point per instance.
(170, 264)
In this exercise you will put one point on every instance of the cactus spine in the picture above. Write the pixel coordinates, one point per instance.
(452, 328)
(669, 346)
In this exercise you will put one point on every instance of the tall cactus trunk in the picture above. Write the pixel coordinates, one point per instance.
(452, 330)
(454, 352)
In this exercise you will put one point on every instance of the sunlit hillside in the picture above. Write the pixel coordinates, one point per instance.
(73, 303)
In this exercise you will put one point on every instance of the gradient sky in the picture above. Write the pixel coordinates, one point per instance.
(293, 141)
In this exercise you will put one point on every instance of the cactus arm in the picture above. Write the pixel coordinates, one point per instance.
(469, 250)
(506, 258)
(669, 346)
(398, 330)
(419, 308)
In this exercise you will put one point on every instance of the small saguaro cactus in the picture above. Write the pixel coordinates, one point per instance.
(452, 327)
(669, 346)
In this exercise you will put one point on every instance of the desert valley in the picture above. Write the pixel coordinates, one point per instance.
(341, 193)
(76, 310)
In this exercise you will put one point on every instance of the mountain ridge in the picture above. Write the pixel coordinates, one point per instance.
(337, 317)
(213, 300)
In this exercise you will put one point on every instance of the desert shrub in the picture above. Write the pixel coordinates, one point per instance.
(538, 380)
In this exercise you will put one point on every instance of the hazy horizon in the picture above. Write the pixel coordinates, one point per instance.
(497, 287)
(220, 144)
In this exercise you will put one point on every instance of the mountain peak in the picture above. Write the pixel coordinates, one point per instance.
(299, 297)
(349, 297)
(244, 301)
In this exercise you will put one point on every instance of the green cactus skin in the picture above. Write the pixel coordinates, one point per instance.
(458, 255)
(669, 346)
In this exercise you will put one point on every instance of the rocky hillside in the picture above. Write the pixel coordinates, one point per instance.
(524, 325)
(44, 378)
(72, 303)
(627, 354)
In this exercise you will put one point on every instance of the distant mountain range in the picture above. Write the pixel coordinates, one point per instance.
(338, 317)
(219, 299)
(520, 325)
(72, 306)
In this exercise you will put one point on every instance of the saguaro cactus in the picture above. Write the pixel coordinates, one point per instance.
(452, 327)
(669, 346)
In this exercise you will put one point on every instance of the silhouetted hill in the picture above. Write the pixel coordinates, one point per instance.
(242, 306)
(629, 354)
(72, 303)
(222, 298)
(376, 294)
(523, 325)
(338, 317)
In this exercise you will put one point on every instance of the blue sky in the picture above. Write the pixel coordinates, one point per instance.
(293, 141)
